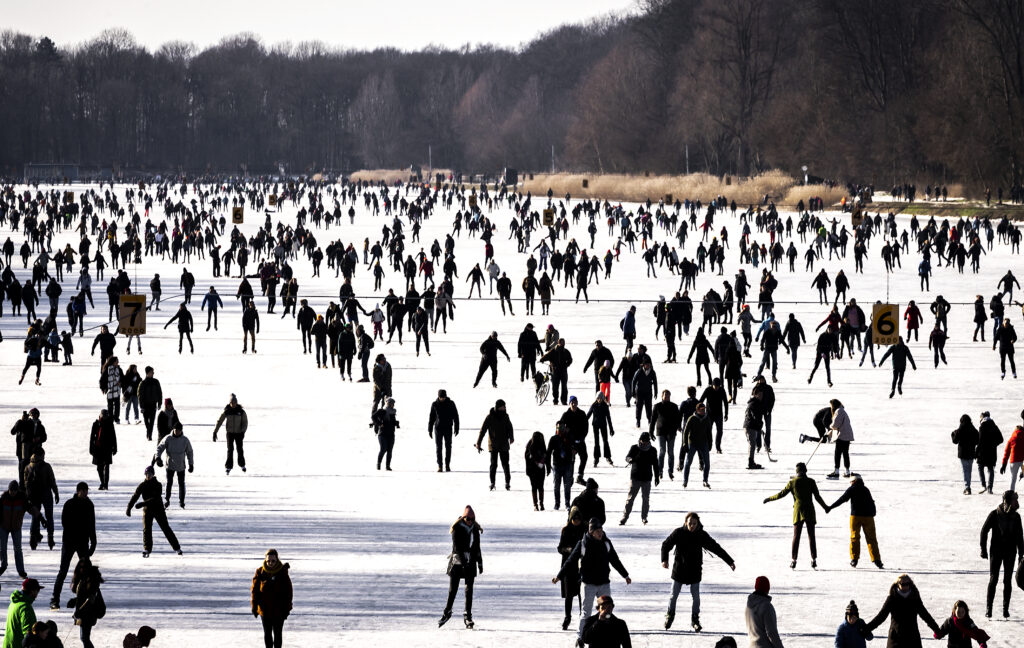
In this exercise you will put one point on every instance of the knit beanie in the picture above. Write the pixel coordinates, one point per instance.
(761, 585)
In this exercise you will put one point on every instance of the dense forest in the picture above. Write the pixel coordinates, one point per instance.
(859, 90)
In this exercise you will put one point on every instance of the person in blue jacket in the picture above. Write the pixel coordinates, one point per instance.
(852, 632)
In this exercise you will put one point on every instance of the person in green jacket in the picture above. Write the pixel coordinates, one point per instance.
(20, 615)
(804, 491)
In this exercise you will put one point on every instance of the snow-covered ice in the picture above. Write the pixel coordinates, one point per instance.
(368, 549)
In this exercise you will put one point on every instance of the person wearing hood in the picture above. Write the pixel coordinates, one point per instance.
(572, 533)
(804, 491)
(903, 605)
(465, 562)
(966, 438)
(989, 438)
(1007, 542)
(589, 504)
(384, 422)
(643, 461)
(235, 422)
(762, 626)
(960, 628)
(689, 542)
(862, 518)
(852, 632)
(20, 615)
(500, 435)
(628, 324)
(271, 597)
(596, 556)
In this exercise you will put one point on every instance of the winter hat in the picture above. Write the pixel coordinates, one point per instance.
(591, 484)
(30, 585)
(645, 437)
(441, 393)
(499, 404)
(1009, 498)
(149, 470)
(761, 585)
(852, 609)
(595, 524)
(34, 412)
(168, 403)
(234, 399)
(146, 634)
(573, 399)
(574, 513)
(13, 484)
(985, 414)
(726, 642)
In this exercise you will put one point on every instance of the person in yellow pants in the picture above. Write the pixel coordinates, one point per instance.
(862, 518)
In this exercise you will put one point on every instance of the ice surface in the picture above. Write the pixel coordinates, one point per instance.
(368, 549)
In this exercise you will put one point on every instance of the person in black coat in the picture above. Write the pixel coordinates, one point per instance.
(645, 385)
(489, 358)
(497, 426)
(78, 524)
(689, 541)
(862, 518)
(385, 423)
(589, 504)
(904, 605)
(1007, 541)
(528, 349)
(381, 381)
(103, 447)
(250, 326)
(900, 353)
(989, 438)
(1006, 336)
(665, 422)
(150, 492)
(596, 556)
(464, 563)
(559, 359)
(643, 459)
(823, 352)
(185, 327)
(601, 420)
(598, 357)
(442, 423)
(605, 630)
(717, 402)
(966, 439)
(572, 533)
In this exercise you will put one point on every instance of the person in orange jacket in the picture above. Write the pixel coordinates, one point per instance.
(1013, 454)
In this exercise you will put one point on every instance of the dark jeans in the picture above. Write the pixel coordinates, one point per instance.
(484, 364)
(443, 439)
(272, 632)
(181, 484)
(85, 633)
(453, 589)
(67, 552)
(1006, 563)
(153, 512)
(797, 528)
(387, 445)
(843, 450)
(503, 455)
(149, 417)
(235, 441)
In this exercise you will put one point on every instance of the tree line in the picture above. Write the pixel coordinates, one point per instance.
(877, 91)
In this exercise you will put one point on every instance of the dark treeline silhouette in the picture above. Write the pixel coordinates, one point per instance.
(867, 90)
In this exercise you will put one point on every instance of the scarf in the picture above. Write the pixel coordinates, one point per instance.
(967, 628)
(273, 570)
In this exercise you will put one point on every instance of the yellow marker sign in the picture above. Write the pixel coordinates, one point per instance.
(132, 315)
(472, 201)
(237, 215)
(549, 217)
(885, 328)
(273, 200)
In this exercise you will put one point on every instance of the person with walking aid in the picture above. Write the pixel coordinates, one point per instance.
(1006, 543)
(465, 562)
(271, 597)
(689, 541)
(596, 556)
(804, 491)
(152, 510)
(235, 422)
(862, 518)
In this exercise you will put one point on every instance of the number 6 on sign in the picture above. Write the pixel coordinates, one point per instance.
(885, 328)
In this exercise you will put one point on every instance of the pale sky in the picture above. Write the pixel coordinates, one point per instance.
(349, 24)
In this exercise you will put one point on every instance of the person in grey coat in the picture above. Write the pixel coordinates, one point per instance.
(762, 628)
(178, 449)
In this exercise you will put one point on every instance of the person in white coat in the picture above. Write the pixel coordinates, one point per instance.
(762, 628)
(843, 431)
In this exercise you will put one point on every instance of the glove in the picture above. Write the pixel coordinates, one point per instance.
(612, 433)
(215, 438)
(766, 500)
(255, 614)
(456, 433)
(935, 635)
(1002, 470)
(481, 568)
(656, 481)
(128, 512)
(159, 462)
(190, 468)
(984, 554)
(56, 500)
(430, 434)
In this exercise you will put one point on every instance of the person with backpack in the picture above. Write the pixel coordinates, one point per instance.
(689, 542)
(271, 597)
(88, 600)
(235, 422)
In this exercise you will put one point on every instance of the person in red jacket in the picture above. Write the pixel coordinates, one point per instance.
(914, 318)
(272, 597)
(1013, 454)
